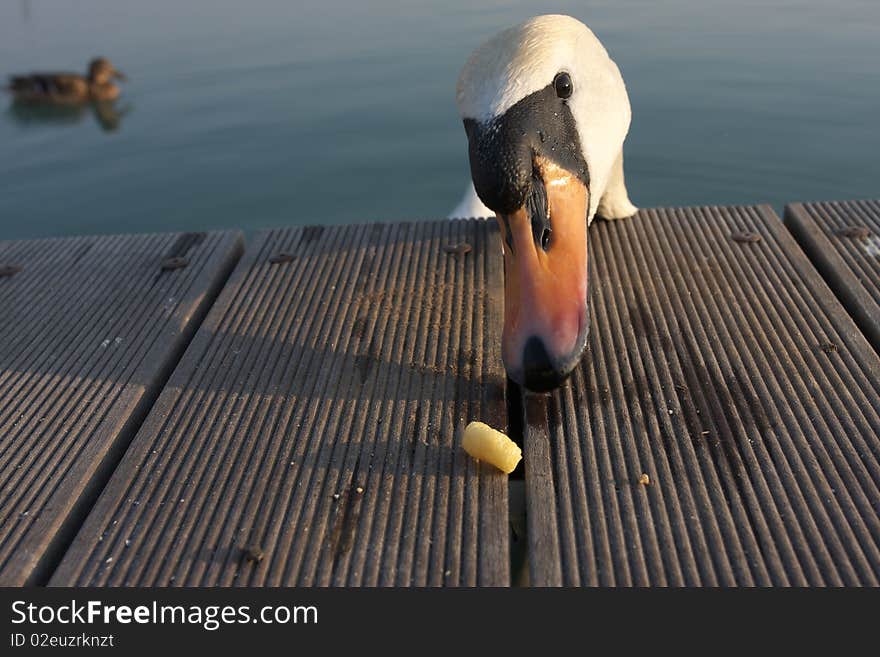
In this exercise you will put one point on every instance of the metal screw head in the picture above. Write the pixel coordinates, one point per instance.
(458, 249)
(853, 231)
(169, 264)
(745, 236)
(283, 256)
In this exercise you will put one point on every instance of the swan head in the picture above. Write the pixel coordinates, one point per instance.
(546, 112)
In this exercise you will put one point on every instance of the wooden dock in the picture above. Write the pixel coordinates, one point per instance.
(178, 410)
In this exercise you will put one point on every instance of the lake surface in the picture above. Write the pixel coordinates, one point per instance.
(270, 113)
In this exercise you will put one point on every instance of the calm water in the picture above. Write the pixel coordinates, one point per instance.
(266, 113)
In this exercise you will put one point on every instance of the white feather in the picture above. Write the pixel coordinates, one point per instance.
(470, 206)
(524, 59)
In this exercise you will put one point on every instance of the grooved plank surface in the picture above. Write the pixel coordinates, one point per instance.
(89, 331)
(729, 374)
(311, 434)
(843, 241)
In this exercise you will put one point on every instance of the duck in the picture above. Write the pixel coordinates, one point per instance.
(546, 113)
(68, 88)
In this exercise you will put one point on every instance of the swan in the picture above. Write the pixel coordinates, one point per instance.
(546, 113)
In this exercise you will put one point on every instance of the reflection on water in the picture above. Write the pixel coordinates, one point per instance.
(107, 114)
(270, 112)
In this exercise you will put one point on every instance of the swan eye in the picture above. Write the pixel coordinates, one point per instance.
(562, 85)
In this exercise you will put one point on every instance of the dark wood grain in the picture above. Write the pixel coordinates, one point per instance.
(90, 329)
(316, 420)
(728, 372)
(842, 239)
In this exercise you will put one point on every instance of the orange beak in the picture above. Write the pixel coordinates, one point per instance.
(545, 290)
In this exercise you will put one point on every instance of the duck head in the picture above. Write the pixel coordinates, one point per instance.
(102, 72)
(546, 113)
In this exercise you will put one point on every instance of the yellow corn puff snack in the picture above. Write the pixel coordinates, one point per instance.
(486, 444)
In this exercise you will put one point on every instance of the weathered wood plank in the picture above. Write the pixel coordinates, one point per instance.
(311, 434)
(843, 240)
(725, 370)
(90, 329)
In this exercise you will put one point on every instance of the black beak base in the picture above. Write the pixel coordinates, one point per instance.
(501, 151)
(539, 374)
